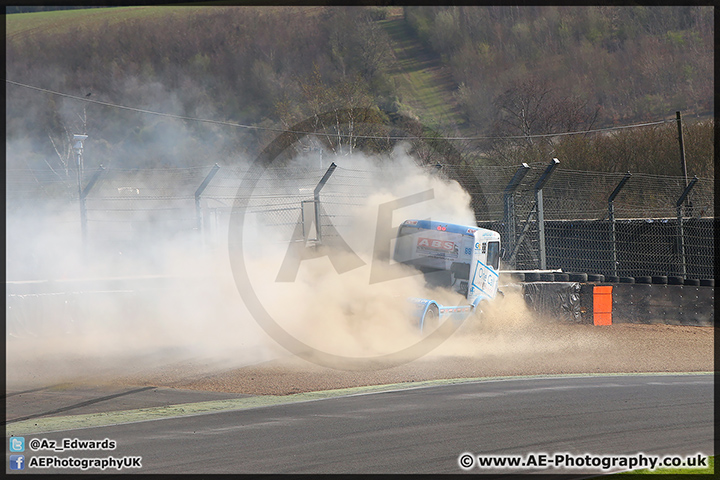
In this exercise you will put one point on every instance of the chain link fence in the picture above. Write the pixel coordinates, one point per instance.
(641, 232)
(571, 225)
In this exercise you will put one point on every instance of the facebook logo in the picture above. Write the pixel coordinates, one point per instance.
(17, 462)
(17, 444)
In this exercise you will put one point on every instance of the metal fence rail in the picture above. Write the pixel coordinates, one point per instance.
(608, 223)
(580, 215)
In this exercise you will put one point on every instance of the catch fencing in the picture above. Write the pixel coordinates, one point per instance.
(612, 224)
(549, 217)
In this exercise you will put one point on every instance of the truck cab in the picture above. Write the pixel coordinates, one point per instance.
(462, 258)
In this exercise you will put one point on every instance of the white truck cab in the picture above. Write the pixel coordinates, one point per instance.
(460, 257)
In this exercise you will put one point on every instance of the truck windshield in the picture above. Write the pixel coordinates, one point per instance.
(407, 230)
(493, 254)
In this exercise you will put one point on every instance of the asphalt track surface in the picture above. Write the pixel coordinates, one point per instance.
(407, 430)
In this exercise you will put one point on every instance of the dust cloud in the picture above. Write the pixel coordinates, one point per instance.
(332, 305)
(81, 314)
(172, 306)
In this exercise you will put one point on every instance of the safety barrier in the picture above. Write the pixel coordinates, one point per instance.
(599, 300)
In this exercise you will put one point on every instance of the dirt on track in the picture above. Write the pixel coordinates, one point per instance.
(540, 349)
(507, 341)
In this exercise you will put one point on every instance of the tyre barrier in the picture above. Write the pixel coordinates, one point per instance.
(599, 278)
(532, 277)
(607, 300)
(664, 304)
(578, 277)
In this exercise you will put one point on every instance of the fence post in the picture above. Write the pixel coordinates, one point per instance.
(611, 216)
(316, 198)
(83, 205)
(540, 213)
(683, 166)
(198, 192)
(511, 258)
(78, 149)
(509, 204)
(681, 232)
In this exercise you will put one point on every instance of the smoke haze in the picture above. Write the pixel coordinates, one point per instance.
(165, 300)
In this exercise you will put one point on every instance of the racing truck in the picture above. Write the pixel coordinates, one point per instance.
(462, 258)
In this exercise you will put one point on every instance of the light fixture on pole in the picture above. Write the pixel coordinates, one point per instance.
(78, 147)
(79, 139)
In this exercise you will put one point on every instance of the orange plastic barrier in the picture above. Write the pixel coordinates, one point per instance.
(602, 305)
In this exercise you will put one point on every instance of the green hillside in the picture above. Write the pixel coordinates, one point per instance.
(509, 72)
(422, 82)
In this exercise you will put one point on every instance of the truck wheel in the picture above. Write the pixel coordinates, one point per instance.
(431, 320)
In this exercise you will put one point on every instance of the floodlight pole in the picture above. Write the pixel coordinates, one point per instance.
(78, 140)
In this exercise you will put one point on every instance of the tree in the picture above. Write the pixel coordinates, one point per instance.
(338, 109)
(61, 137)
(531, 109)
